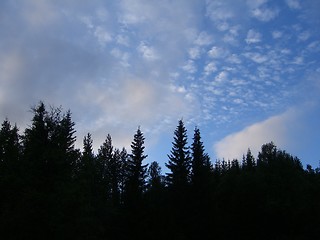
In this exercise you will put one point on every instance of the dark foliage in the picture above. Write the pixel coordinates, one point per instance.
(51, 190)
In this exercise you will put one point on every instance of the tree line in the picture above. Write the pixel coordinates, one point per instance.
(49, 189)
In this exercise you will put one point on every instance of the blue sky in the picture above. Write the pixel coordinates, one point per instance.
(245, 72)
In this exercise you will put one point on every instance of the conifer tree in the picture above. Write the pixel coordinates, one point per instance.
(9, 147)
(179, 159)
(154, 176)
(201, 166)
(136, 171)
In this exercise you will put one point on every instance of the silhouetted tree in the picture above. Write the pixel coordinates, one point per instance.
(155, 179)
(248, 162)
(201, 166)
(109, 167)
(136, 171)
(11, 181)
(179, 162)
(9, 148)
(123, 158)
(51, 190)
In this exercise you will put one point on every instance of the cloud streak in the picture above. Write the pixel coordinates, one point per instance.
(274, 129)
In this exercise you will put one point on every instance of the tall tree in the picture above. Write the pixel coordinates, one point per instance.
(123, 157)
(10, 176)
(9, 147)
(201, 166)
(136, 171)
(248, 161)
(109, 168)
(179, 160)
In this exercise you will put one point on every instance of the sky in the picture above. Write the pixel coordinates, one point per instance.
(246, 72)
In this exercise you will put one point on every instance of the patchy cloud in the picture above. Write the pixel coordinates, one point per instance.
(120, 64)
(293, 4)
(253, 36)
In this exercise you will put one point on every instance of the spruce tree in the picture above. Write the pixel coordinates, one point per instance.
(9, 147)
(154, 176)
(179, 160)
(136, 171)
(201, 166)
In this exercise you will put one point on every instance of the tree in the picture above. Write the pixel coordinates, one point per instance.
(109, 168)
(136, 171)
(103, 162)
(267, 155)
(10, 177)
(123, 157)
(9, 147)
(248, 162)
(87, 170)
(155, 181)
(179, 160)
(201, 166)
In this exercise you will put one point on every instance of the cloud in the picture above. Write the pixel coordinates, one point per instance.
(256, 57)
(203, 39)
(272, 129)
(148, 53)
(277, 34)
(217, 52)
(210, 68)
(190, 67)
(194, 52)
(304, 36)
(265, 14)
(93, 61)
(253, 36)
(293, 4)
(102, 35)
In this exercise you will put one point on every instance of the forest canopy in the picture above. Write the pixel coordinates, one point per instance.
(51, 190)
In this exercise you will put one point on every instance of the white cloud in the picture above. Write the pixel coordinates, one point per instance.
(122, 56)
(256, 57)
(190, 67)
(255, 3)
(253, 36)
(293, 4)
(234, 58)
(102, 35)
(203, 39)
(277, 34)
(194, 52)
(123, 40)
(148, 53)
(305, 35)
(265, 14)
(273, 129)
(210, 68)
(219, 10)
(221, 77)
(217, 52)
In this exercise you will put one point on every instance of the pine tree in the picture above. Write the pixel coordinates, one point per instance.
(109, 168)
(201, 166)
(179, 160)
(250, 160)
(10, 176)
(9, 147)
(136, 171)
(35, 149)
(155, 181)
(123, 157)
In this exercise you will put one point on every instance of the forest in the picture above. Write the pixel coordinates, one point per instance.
(49, 189)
